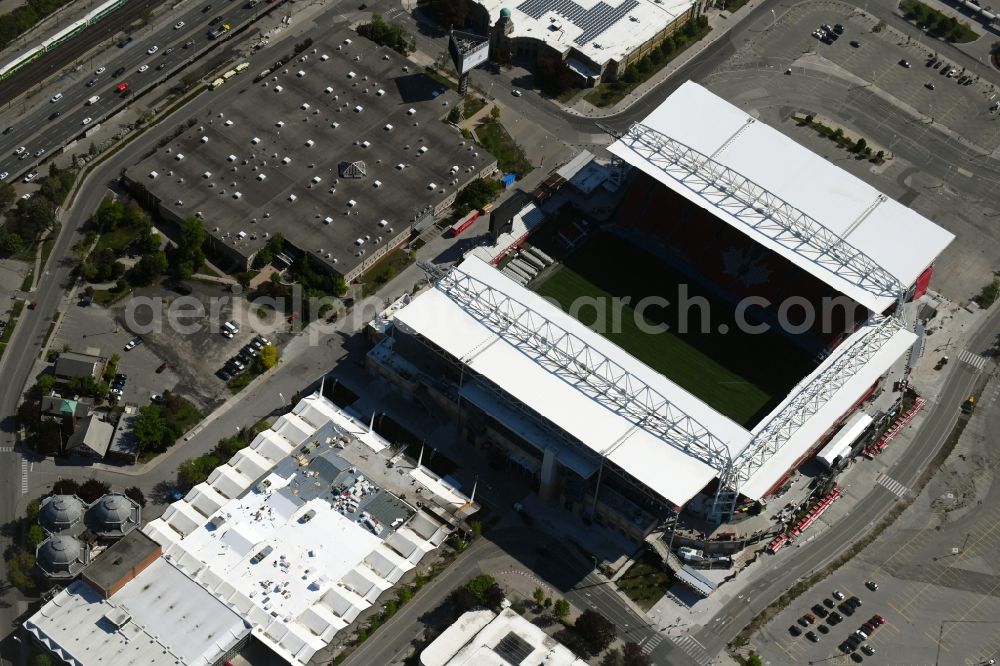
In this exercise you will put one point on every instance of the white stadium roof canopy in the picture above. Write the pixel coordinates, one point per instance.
(662, 464)
(896, 238)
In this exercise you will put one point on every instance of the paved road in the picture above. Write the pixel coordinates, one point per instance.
(941, 418)
(31, 118)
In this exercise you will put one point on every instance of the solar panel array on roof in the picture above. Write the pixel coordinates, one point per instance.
(513, 648)
(593, 21)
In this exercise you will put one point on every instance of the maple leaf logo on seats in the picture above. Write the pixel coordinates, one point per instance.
(737, 263)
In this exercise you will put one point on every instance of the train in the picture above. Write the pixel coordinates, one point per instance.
(60, 37)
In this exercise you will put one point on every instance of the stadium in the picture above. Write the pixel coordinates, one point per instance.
(626, 426)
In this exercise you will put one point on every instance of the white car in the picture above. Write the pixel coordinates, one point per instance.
(18, 151)
(152, 49)
(86, 121)
(100, 70)
(143, 68)
(515, 93)
(56, 98)
(178, 25)
(29, 177)
(3, 175)
(26, 196)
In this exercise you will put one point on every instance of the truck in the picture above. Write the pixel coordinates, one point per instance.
(219, 30)
(969, 405)
(93, 100)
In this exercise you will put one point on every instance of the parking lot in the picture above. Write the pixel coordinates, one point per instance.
(875, 62)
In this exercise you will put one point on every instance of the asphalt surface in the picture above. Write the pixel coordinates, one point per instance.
(31, 118)
(940, 420)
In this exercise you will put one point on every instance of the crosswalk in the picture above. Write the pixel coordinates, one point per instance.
(894, 486)
(692, 648)
(6, 449)
(652, 643)
(24, 476)
(975, 360)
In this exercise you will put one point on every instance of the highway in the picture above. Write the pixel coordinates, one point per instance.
(31, 118)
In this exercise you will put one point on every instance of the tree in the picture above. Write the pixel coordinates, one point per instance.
(135, 494)
(386, 34)
(193, 471)
(462, 600)
(188, 256)
(538, 595)
(613, 658)
(494, 596)
(149, 269)
(10, 243)
(31, 218)
(36, 535)
(495, 112)
(860, 145)
(91, 490)
(595, 630)
(478, 586)
(754, 660)
(455, 115)
(560, 609)
(7, 196)
(633, 655)
(478, 193)
(405, 595)
(268, 356)
(149, 429)
(45, 384)
(65, 487)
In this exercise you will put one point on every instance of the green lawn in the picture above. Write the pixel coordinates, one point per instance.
(494, 138)
(938, 23)
(730, 372)
(116, 241)
(645, 582)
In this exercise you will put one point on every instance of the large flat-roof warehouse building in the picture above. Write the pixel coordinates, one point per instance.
(342, 151)
(736, 209)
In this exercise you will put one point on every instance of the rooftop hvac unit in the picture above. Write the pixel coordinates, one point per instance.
(324, 57)
(310, 143)
(411, 111)
(305, 106)
(280, 123)
(228, 123)
(388, 127)
(278, 89)
(380, 92)
(179, 156)
(179, 202)
(231, 158)
(334, 125)
(366, 144)
(382, 223)
(199, 214)
(351, 75)
(327, 220)
(292, 197)
(432, 186)
(377, 184)
(359, 109)
(237, 195)
(454, 169)
(204, 139)
(300, 73)
(328, 90)
(316, 179)
(352, 203)
(255, 140)
(262, 177)
(335, 260)
(153, 174)
(207, 174)
(347, 41)
(242, 235)
(400, 166)
(286, 160)
(422, 150)
(359, 242)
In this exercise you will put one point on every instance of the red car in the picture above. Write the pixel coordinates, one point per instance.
(123, 86)
(877, 620)
(163, 366)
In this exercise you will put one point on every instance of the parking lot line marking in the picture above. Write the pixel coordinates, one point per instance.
(984, 597)
(904, 615)
(782, 648)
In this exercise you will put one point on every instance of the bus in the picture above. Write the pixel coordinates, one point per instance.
(463, 224)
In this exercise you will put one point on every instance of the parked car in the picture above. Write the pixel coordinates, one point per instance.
(794, 631)
(871, 585)
(855, 602)
(125, 42)
(877, 620)
(819, 610)
(835, 618)
(30, 176)
(838, 28)
(8, 130)
(905, 63)
(156, 399)
(811, 635)
(868, 649)
(3, 175)
(161, 367)
(131, 344)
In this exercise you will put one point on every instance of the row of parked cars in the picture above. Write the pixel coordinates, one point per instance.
(243, 358)
(833, 610)
(828, 34)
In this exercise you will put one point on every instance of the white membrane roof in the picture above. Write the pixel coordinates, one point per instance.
(898, 239)
(669, 471)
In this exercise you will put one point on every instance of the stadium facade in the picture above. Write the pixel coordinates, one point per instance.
(603, 433)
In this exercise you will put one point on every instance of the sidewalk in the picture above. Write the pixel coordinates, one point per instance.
(720, 22)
